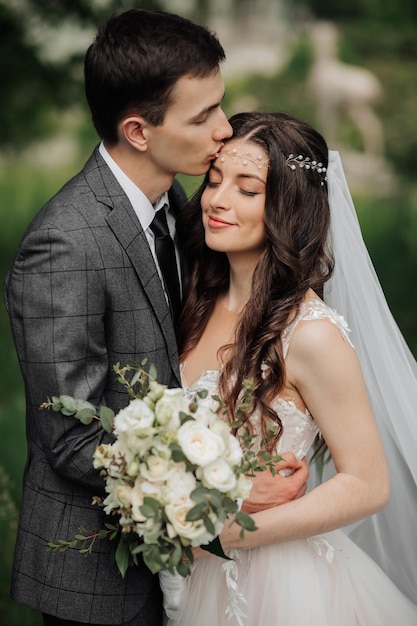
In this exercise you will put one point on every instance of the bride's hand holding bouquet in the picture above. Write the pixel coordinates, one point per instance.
(174, 474)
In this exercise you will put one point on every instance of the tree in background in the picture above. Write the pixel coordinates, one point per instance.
(35, 84)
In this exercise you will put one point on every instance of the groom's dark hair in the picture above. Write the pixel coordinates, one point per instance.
(136, 59)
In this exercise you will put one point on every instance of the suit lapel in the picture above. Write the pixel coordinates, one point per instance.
(126, 227)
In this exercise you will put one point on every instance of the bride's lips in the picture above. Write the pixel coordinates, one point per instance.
(216, 222)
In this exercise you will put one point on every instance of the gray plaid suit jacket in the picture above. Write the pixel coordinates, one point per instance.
(83, 293)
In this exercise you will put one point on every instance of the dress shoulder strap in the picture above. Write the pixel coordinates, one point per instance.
(315, 309)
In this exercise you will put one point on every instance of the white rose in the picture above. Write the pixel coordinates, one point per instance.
(136, 416)
(169, 406)
(234, 452)
(204, 415)
(222, 429)
(242, 488)
(140, 490)
(219, 475)
(199, 444)
(149, 531)
(179, 484)
(136, 442)
(161, 449)
(122, 495)
(156, 468)
(193, 531)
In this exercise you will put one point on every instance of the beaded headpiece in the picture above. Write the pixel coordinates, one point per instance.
(245, 158)
(306, 163)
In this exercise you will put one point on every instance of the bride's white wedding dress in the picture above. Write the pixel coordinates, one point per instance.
(326, 580)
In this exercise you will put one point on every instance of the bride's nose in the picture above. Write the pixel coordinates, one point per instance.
(220, 198)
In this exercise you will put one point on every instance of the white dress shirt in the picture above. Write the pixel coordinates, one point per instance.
(143, 207)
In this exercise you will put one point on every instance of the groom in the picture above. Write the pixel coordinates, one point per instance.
(87, 289)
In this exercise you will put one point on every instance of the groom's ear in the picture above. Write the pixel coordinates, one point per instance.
(134, 130)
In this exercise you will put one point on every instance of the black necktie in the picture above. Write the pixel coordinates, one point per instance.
(165, 253)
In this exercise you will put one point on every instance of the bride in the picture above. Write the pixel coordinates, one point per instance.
(260, 259)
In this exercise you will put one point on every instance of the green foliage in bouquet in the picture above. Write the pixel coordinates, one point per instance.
(174, 474)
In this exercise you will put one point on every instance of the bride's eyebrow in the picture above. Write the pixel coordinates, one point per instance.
(252, 176)
(242, 175)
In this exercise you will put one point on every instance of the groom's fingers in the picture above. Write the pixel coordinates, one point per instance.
(289, 483)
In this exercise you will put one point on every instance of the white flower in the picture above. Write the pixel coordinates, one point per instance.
(156, 463)
(137, 442)
(199, 444)
(169, 406)
(156, 468)
(195, 532)
(102, 455)
(161, 449)
(219, 475)
(156, 390)
(132, 469)
(242, 488)
(222, 429)
(136, 416)
(179, 484)
(140, 490)
(234, 451)
(204, 415)
(149, 530)
(110, 502)
(122, 494)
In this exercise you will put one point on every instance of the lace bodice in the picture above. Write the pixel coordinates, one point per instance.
(299, 428)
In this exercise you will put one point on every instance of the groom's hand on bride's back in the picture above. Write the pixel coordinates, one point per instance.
(289, 483)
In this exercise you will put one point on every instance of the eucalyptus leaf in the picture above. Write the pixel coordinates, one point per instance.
(107, 418)
(121, 556)
(152, 502)
(67, 412)
(135, 378)
(215, 498)
(68, 403)
(183, 569)
(176, 555)
(85, 416)
(199, 495)
(196, 512)
(177, 453)
(153, 371)
(245, 520)
(185, 417)
(209, 525)
(147, 510)
(229, 504)
(84, 404)
(152, 559)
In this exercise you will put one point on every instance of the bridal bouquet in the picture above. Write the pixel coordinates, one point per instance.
(173, 475)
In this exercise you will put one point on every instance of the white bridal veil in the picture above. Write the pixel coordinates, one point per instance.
(390, 372)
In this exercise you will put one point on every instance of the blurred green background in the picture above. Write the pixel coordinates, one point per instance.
(45, 137)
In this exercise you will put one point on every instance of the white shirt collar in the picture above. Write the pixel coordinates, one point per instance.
(140, 203)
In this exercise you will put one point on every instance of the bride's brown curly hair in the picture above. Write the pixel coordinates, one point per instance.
(296, 258)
